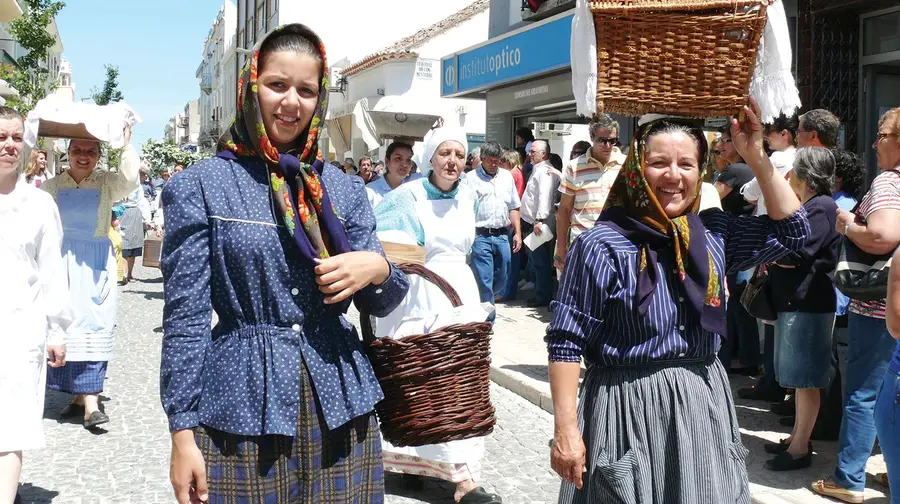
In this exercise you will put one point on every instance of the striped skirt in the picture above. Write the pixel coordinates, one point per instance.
(317, 466)
(662, 434)
(79, 377)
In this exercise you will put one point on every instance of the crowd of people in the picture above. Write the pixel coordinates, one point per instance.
(641, 251)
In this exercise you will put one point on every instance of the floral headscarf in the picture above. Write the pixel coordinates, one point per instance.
(306, 210)
(633, 210)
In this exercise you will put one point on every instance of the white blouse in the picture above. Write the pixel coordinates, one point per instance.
(35, 295)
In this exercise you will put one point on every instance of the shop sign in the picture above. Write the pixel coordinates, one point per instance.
(423, 69)
(529, 94)
(538, 49)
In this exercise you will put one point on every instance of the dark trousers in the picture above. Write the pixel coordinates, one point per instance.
(743, 332)
(540, 263)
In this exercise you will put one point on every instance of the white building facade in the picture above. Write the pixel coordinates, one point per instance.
(218, 77)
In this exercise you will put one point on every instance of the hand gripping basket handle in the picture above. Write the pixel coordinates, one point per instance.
(411, 269)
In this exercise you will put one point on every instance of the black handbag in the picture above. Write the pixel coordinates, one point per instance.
(757, 296)
(860, 275)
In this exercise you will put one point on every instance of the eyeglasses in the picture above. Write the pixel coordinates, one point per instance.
(607, 141)
(881, 136)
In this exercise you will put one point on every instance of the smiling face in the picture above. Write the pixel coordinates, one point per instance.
(288, 94)
(448, 163)
(672, 171)
(11, 133)
(399, 164)
(83, 157)
(42, 160)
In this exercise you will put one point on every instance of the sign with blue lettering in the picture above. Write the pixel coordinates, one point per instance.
(539, 49)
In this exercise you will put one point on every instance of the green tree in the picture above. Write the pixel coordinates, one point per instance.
(27, 76)
(110, 92)
(162, 155)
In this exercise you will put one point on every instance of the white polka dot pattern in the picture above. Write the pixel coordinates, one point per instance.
(223, 251)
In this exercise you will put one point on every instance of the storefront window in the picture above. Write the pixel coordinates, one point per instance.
(881, 34)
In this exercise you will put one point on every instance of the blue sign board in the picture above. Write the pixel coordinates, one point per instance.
(533, 51)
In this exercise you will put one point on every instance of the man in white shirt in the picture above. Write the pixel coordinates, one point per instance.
(538, 208)
(497, 211)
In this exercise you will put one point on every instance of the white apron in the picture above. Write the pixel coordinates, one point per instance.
(449, 226)
(91, 269)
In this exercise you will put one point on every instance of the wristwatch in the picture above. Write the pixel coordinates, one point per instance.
(847, 227)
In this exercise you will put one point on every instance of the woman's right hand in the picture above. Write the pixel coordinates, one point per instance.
(187, 470)
(747, 133)
(567, 457)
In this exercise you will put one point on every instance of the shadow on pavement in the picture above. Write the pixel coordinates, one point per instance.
(435, 491)
(149, 295)
(31, 494)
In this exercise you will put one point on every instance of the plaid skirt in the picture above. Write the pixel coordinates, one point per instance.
(81, 377)
(318, 466)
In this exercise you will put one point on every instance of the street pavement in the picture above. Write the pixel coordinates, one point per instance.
(128, 460)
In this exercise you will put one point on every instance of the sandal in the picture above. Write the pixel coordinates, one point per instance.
(782, 446)
(97, 418)
(784, 461)
(480, 496)
(829, 488)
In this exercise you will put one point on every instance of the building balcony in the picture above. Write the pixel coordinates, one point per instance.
(547, 9)
(9, 10)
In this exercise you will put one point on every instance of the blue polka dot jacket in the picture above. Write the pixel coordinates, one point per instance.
(224, 251)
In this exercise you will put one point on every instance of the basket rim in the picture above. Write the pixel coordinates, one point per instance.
(649, 6)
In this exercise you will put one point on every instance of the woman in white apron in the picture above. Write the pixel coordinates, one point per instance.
(33, 304)
(85, 197)
(436, 212)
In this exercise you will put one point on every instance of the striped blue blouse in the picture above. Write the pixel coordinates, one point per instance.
(596, 314)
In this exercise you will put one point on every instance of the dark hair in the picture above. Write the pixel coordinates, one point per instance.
(850, 169)
(525, 133)
(582, 146)
(9, 113)
(782, 123)
(603, 121)
(666, 127)
(291, 42)
(815, 167)
(491, 149)
(824, 123)
(394, 146)
(556, 161)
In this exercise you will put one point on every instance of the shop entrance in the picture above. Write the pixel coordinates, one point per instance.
(882, 94)
(563, 128)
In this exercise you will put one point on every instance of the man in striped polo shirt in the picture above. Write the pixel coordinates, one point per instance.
(585, 184)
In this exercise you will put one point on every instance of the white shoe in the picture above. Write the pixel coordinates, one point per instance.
(529, 286)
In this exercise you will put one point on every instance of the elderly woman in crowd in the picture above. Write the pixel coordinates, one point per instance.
(642, 300)
(805, 301)
(85, 198)
(436, 212)
(34, 304)
(132, 225)
(873, 228)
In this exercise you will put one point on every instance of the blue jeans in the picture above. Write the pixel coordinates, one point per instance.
(887, 423)
(542, 268)
(490, 263)
(869, 350)
(514, 272)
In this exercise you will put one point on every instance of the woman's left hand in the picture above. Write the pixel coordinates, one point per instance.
(844, 219)
(747, 133)
(343, 275)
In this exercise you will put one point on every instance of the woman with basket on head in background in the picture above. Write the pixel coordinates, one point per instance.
(85, 197)
(275, 403)
(642, 299)
(436, 212)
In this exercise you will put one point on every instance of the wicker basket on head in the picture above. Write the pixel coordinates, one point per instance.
(436, 385)
(685, 57)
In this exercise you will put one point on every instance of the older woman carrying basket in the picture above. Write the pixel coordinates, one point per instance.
(642, 300)
(436, 212)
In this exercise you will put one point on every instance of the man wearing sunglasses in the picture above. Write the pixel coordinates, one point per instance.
(585, 184)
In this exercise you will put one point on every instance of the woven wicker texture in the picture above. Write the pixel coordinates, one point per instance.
(436, 385)
(692, 58)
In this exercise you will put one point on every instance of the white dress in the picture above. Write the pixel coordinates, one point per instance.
(34, 309)
(449, 228)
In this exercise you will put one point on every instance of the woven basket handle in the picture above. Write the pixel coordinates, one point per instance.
(411, 269)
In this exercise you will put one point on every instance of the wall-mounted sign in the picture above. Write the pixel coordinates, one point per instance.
(424, 69)
(555, 88)
(537, 49)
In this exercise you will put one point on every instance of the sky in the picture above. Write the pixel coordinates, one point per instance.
(157, 46)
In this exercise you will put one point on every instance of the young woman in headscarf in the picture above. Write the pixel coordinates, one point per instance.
(275, 403)
(85, 197)
(642, 300)
(438, 213)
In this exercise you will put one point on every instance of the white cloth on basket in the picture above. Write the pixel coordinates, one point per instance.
(773, 83)
(449, 226)
(583, 56)
(34, 309)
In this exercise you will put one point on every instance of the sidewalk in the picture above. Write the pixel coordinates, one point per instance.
(519, 363)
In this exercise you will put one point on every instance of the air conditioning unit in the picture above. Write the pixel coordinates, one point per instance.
(554, 128)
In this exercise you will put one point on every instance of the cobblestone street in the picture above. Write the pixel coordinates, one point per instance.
(128, 460)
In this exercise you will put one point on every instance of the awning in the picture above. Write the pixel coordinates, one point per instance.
(338, 124)
(7, 91)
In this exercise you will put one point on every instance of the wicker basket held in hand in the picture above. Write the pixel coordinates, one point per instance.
(436, 385)
(685, 57)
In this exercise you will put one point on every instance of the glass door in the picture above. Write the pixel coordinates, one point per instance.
(882, 94)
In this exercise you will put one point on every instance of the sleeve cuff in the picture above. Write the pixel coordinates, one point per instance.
(182, 421)
(382, 299)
